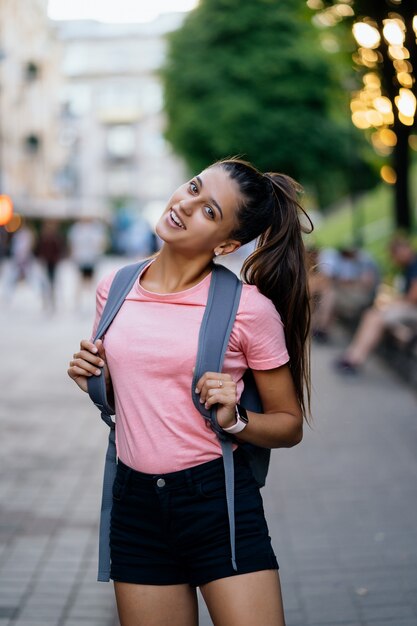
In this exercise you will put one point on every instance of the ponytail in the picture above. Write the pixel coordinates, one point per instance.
(270, 212)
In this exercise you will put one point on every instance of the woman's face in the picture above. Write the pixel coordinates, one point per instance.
(201, 214)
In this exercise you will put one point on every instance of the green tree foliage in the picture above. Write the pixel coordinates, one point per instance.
(249, 77)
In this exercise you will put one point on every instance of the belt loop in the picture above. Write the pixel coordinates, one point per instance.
(189, 480)
(129, 473)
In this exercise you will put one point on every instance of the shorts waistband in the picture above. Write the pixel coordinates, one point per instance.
(180, 478)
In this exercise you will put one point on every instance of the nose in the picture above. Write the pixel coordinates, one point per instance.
(185, 206)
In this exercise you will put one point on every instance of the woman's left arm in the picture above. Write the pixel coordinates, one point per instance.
(281, 424)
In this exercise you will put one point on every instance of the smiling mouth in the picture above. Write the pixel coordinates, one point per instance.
(174, 217)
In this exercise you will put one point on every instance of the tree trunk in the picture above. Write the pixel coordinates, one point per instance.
(401, 154)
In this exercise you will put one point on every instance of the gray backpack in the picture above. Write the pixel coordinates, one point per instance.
(216, 326)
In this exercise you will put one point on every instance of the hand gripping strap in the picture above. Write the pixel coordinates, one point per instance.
(216, 326)
(219, 316)
(120, 287)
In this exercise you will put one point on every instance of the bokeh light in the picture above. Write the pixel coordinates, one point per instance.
(412, 142)
(14, 224)
(406, 103)
(394, 32)
(6, 209)
(366, 35)
(388, 175)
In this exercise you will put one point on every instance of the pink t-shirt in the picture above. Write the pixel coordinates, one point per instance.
(151, 349)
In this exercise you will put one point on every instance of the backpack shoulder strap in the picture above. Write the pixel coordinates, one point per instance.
(216, 326)
(123, 282)
(120, 287)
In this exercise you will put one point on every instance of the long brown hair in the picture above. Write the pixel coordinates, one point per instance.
(270, 212)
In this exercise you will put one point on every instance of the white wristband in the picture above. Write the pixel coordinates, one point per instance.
(238, 426)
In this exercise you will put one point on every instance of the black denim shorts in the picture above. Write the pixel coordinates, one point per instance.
(173, 528)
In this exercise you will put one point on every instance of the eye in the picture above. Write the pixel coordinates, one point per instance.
(209, 211)
(193, 187)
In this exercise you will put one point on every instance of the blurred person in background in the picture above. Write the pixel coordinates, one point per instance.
(386, 312)
(161, 550)
(139, 242)
(4, 248)
(4, 243)
(132, 235)
(50, 249)
(321, 294)
(343, 284)
(87, 241)
(22, 265)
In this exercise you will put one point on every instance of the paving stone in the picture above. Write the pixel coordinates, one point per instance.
(100, 622)
(390, 622)
(35, 622)
(294, 617)
(388, 612)
(41, 612)
(7, 611)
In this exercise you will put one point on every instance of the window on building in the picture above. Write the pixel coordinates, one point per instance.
(120, 141)
(32, 143)
(76, 99)
(32, 71)
(120, 182)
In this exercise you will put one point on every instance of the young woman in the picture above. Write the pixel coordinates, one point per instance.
(169, 528)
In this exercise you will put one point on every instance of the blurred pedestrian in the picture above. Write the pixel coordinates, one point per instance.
(4, 248)
(320, 281)
(87, 240)
(400, 308)
(159, 556)
(343, 284)
(22, 265)
(50, 250)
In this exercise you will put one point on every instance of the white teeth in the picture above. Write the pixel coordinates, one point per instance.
(176, 219)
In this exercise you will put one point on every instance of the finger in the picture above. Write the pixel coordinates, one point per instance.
(86, 366)
(88, 345)
(228, 394)
(74, 372)
(216, 384)
(219, 397)
(100, 348)
(212, 376)
(90, 358)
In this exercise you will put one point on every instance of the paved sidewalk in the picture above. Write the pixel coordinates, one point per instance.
(51, 464)
(342, 506)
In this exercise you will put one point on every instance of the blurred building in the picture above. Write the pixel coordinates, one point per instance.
(112, 119)
(31, 154)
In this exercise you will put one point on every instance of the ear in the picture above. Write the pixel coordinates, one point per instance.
(229, 246)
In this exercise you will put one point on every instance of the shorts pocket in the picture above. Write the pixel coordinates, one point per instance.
(119, 487)
(212, 488)
(216, 487)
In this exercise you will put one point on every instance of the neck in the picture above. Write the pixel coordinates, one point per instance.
(171, 271)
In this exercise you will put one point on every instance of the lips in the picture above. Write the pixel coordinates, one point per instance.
(175, 220)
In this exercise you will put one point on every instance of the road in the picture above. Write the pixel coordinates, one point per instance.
(342, 506)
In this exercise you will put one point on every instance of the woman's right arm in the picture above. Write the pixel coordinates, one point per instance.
(87, 362)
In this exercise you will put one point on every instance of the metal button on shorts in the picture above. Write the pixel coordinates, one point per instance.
(160, 482)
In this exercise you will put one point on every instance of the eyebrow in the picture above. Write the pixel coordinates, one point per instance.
(216, 204)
